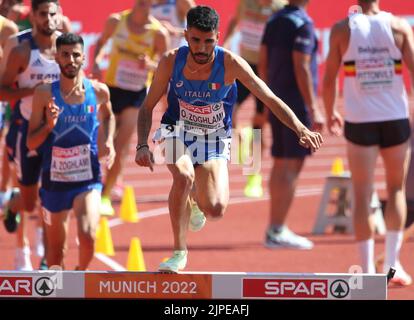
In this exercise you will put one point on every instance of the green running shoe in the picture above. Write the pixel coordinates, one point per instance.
(254, 187)
(106, 208)
(176, 263)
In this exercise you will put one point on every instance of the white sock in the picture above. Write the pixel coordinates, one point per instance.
(366, 251)
(25, 250)
(393, 242)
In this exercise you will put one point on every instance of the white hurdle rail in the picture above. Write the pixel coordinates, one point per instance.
(192, 285)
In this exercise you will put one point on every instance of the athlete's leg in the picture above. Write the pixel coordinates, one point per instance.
(29, 195)
(212, 187)
(362, 160)
(125, 127)
(57, 225)
(409, 190)
(179, 198)
(86, 208)
(5, 171)
(181, 167)
(396, 160)
(282, 185)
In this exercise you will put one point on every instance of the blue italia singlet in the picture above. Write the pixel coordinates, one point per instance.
(201, 107)
(70, 158)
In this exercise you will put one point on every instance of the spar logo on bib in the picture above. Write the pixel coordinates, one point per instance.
(202, 119)
(196, 109)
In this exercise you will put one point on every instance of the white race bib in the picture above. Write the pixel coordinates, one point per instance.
(129, 76)
(202, 119)
(71, 164)
(375, 74)
(251, 35)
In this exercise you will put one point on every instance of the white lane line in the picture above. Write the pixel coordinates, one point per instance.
(109, 262)
(139, 182)
(301, 192)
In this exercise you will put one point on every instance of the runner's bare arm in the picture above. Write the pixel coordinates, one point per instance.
(234, 22)
(408, 48)
(17, 61)
(9, 29)
(104, 102)
(238, 68)
(10, 44)
(66, 24)
(303, 76)
(333, 64)
(39, 124)
(106, 34)
(161, 44)
(157, 89)
(108, 124)
(183, 6)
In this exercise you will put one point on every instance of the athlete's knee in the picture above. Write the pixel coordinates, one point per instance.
(395, 191)
(215, 210)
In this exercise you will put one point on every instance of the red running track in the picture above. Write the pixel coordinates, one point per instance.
(234, 243)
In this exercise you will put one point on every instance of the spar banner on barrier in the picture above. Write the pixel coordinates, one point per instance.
(325, 14)
(147, 285)
(42, 284)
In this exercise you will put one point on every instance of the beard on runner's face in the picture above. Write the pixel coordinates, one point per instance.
(70, 70)
(201, 57)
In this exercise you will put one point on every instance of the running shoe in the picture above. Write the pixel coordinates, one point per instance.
(254, 187)
(197, 218)
(286, 239)
(106, 208)
(176, 263)
(401, 277)
(11, 219)
(43, 264)
(22, 260)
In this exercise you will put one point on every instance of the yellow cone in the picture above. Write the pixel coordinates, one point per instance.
(104, 242)
(337, 167)
(129, 212)
(135, 256)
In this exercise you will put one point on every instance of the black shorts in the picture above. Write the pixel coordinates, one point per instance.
(285, 141)
(122, 99)
(385, 133)
(243, 93)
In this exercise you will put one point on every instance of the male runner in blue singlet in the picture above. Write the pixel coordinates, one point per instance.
(196, 127)
(64, 124)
